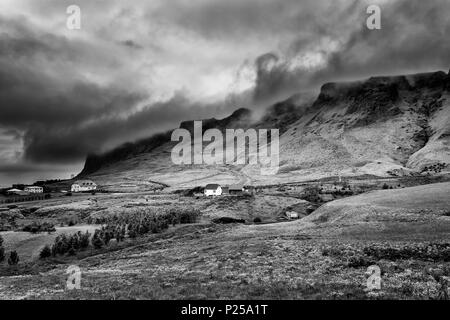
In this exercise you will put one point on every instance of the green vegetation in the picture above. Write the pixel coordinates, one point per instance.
(45, 252)
(69, 244)
(425, 252)
(117, 227)
(311, 194)
(148, 221)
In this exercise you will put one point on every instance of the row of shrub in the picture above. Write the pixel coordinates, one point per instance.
(436, 252)
(430, 252)
(64, 244)
(13, 258)
(174, 215)
(118, 227)
(36, 227)
(148, 221)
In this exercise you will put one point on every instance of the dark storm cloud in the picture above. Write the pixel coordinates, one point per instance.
(64, 116)
(48, 104)
(69, 96)
(67, 144)
(413, 38)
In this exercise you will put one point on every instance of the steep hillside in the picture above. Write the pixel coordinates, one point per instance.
(415, 212)
(384, 125)
(381, 126)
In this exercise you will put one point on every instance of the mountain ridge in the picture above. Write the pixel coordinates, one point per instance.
(382, 126)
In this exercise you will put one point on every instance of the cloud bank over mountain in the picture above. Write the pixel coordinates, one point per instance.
(137, 68)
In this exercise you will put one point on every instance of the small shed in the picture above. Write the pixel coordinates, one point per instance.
(17, 192)
(236, 189)
(292, 215)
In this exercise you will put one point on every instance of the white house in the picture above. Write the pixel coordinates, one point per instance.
(213, 190)
(292, 215)
(34, 189)
(83, 185)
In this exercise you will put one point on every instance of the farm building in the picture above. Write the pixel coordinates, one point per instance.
(236, 189)
(249, 189)
(292, 215)
(213, 189)
(17, 192)
(34, 189)
(83, 186)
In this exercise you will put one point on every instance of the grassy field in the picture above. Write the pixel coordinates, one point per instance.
(28, 245)
(406, 232)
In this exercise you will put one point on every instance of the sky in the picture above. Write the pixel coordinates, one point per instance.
(139, 67)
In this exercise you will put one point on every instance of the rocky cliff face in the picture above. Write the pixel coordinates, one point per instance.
(240, 118)
(381, 126)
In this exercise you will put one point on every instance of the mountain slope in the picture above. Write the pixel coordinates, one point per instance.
(381, 126)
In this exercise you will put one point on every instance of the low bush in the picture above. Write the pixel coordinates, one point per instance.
(145, 221)
(226, 220)
(45, 252)
(13, 258)
(425, 252)
(64, 244)
(36, 227)
(117, 227)
(311, 194)
(97, 241)
(71, 223)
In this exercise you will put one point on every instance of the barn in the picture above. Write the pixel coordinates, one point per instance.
(213, 189)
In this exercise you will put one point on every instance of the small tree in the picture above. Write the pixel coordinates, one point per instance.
(45, 252)
(13, 258)
(132, 231)
(257, 220)
(97, 241)
(119, 233)
(71, 251)
(106, 235)
(84, 240)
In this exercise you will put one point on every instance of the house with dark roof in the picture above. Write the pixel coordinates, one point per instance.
(83, 186)
(213, 189)
(236, 189)
(17, 192)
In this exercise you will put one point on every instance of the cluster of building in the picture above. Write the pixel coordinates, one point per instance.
(214, 189)
(83, 186)
(26, 191)
(77, 186)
